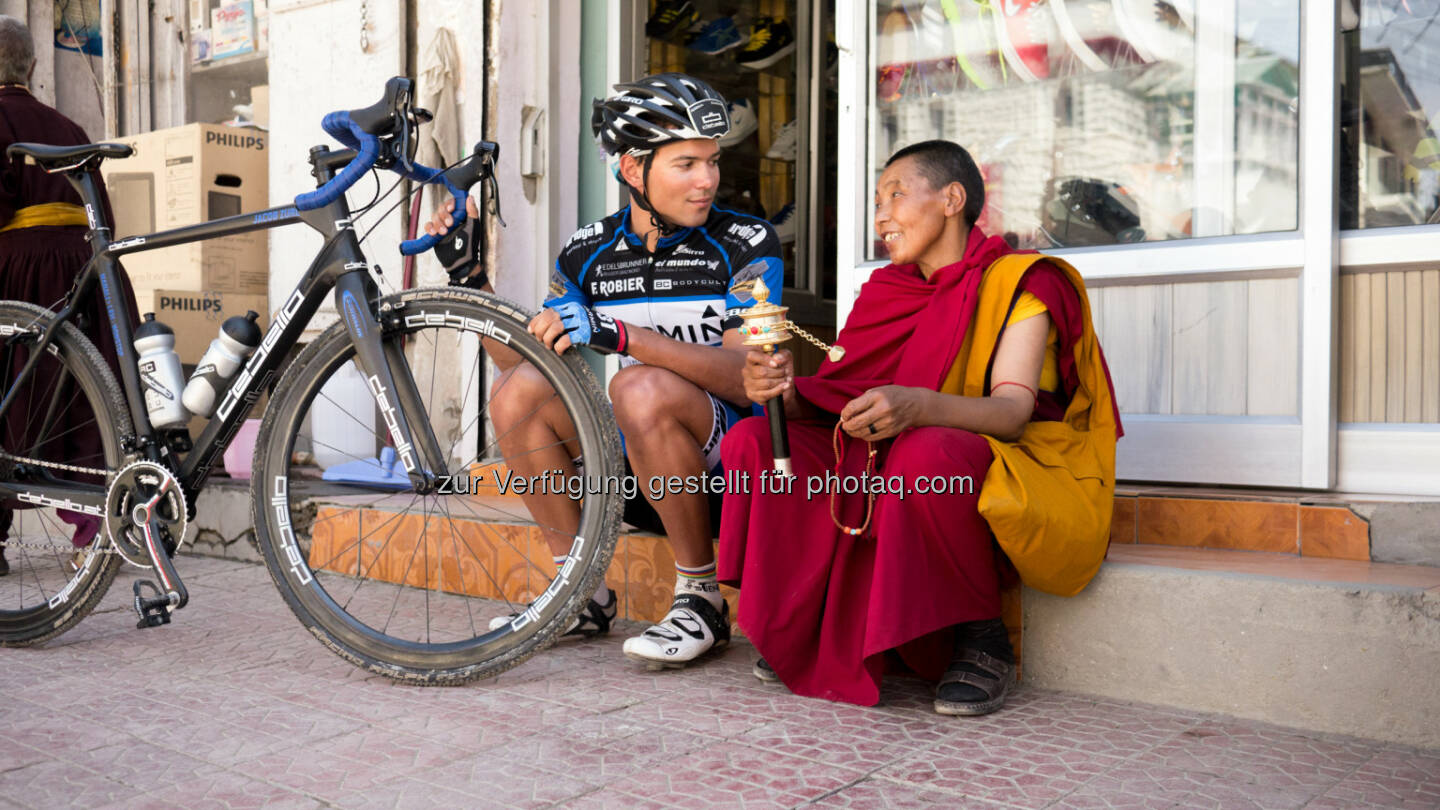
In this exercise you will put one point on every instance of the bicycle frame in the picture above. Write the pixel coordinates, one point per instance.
(340, 266)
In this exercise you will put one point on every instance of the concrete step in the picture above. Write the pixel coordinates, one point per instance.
(1349, 647)
(1305, 638)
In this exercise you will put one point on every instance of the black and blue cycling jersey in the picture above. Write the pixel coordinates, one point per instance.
(691, 288)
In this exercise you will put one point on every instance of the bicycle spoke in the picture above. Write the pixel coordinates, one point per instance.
(460, 568)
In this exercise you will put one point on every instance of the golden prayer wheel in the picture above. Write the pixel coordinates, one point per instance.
(764, 324)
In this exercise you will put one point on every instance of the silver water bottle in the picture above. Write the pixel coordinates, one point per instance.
(239, 337)
(160, 373)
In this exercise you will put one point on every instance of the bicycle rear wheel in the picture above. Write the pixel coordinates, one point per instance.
(406, 583)
(64, 428)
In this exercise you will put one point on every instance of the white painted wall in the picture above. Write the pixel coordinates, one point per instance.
(316, 66)
(536, 64)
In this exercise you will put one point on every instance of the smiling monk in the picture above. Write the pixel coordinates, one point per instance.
(965, 360)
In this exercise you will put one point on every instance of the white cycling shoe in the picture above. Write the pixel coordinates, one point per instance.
(593, 621)
(692, 628)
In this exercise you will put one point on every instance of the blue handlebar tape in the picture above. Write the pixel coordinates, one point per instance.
(411, 247)
(353, 136)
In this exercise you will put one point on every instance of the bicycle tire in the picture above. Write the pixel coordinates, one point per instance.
(291, 546)
(58, 608)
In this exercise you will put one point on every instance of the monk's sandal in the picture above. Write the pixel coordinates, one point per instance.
(692, 628)
(982, 671)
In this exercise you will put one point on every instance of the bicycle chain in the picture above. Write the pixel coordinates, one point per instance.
(56, 465)
(90, 549)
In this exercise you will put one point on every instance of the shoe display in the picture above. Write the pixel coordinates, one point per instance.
(977, 51)
(784, 223)
(892, 55)
(692, 628)
(670, 17)
(785, 143)
(716, 37)
(770, 41)
(1025, 34)
(743, 123)
(594, 620)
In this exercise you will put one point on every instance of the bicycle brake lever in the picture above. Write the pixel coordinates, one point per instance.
(493, 189)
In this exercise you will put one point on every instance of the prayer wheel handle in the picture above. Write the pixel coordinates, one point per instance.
(764, 324)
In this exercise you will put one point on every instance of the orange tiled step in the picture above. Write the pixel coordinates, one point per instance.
(504, 556)
(1239, 521)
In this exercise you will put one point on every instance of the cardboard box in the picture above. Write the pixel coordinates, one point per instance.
(260, 104)
(196, 316)
(232, 28)
(184, 176)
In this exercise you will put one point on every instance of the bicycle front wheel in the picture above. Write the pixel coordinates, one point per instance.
(62, 430)
(447, 585)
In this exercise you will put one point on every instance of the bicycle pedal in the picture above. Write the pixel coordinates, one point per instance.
(153, 611)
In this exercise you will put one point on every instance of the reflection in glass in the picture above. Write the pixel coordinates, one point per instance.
(1390, 85)
(1090, 119)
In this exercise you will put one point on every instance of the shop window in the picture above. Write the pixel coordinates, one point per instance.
(229, 66)
(776, 62)
(1100, 122)
(1389, 64)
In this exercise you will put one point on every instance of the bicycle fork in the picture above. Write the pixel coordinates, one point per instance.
(387, 376)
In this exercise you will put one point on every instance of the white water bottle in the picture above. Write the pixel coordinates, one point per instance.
(239, 336)
(160, 373)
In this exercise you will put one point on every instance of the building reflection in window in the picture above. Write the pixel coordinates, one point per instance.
(1101, 121)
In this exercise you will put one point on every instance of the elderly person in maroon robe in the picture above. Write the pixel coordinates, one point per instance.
(42, 250)
(831, 582)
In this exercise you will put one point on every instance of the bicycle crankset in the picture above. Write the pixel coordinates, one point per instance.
(141, 493)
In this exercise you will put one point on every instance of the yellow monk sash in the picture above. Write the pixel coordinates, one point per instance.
(35, 216)
(1049, 496)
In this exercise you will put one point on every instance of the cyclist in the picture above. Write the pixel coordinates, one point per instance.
(659, 282)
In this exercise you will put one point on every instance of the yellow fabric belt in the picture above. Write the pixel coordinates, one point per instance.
(35, 216)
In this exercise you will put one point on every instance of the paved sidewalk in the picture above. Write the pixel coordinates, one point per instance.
(235, 705)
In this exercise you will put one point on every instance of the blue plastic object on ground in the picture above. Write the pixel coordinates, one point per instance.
(371, 472)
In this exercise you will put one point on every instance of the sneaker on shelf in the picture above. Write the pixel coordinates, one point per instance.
(670, 17)
(692, 628)
(594, 620)
(784, 223)
(785, 143)
(718, 36)
(743, 123)
(770, 41)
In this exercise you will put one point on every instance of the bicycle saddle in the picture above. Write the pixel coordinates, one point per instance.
(54, 158)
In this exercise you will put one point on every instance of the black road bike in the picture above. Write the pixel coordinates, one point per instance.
(403, 575)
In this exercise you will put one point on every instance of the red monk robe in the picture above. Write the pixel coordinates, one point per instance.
(821, 606)
(42, 251)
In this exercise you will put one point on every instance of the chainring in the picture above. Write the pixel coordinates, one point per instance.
(142, 484)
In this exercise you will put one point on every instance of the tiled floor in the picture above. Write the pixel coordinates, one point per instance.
(235, 706)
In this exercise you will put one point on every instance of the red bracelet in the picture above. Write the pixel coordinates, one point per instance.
(1022, 385)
